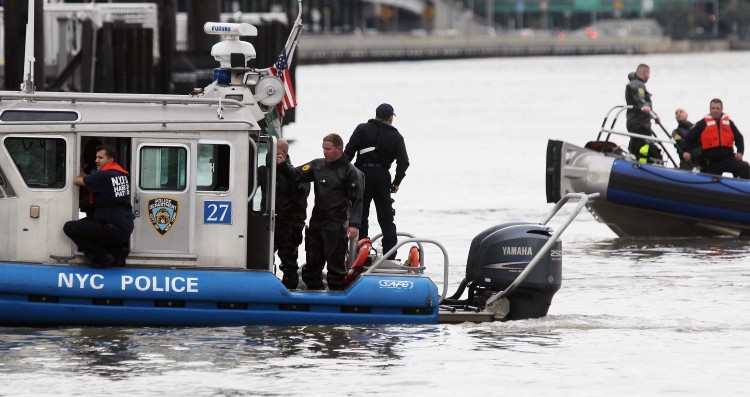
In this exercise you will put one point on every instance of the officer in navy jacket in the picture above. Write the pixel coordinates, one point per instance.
(335, 216)
(377, 143)
(105, 241)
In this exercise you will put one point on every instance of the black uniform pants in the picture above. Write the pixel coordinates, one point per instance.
(287, 237)
(738, 168)
(95, 239)
(378, 189)
(325, 242)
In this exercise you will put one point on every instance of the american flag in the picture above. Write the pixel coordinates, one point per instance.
(281, 70)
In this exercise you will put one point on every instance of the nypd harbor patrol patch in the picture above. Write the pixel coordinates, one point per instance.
(162, 211)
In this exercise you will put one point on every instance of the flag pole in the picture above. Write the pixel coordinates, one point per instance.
(292, 41)
(27, 85)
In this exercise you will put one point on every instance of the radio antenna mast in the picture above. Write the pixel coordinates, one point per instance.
(27, 85)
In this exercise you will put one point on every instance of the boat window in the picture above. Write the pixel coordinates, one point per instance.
(41, 161)
(213, 167)
(260, 203)
(163, 168)
(37, 115)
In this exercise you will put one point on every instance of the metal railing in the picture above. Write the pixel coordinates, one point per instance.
(419, 268)
(582, 199)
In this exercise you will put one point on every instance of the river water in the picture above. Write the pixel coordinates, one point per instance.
(633, 317)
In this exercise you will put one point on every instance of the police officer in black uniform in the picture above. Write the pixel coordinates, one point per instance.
(639, 116)
(679, 134)
(291, 212)
(377, 143)
(105, 241)
(335, 216)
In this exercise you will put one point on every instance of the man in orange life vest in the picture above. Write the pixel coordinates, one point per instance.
(717, 136)
(105, 241)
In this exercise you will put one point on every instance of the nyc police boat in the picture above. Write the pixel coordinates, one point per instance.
(646, 200)
(202, 248)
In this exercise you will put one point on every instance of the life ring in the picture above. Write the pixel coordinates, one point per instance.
(364, 251)
(356, 269)
(414, 256)
(363, 247)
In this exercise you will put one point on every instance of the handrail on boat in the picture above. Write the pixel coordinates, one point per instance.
(611, 130)
(163, 123)
(633, 135)
(390, 252)
(119, 98)
(419, 244)
(652, 138)
(582, 199)
(606, 117)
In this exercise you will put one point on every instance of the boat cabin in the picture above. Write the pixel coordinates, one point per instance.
(196, 170)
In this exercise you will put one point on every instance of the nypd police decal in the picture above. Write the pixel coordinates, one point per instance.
(162, 211)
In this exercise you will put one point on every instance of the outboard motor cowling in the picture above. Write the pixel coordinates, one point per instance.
(498, 255)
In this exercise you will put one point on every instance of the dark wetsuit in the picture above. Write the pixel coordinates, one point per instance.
(377, 144)
(105, 241)
(638, 122)
(291, 212)
(679, 135)
(338, 205)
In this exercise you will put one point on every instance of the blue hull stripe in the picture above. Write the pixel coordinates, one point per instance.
(33, 294)
(679, 192)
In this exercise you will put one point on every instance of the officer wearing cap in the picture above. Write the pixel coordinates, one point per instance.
(377, 144)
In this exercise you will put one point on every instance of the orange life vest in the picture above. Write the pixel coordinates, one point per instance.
(715, 135)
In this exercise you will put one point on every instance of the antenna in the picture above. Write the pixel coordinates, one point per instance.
(28, 62)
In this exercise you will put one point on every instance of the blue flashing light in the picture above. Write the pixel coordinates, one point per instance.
(223, 76)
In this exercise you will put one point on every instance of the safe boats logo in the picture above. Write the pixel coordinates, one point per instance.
(162, 211)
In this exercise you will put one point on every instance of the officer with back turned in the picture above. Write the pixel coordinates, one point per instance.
(377, 143)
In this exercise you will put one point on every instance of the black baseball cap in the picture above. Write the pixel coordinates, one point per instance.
(384, 111)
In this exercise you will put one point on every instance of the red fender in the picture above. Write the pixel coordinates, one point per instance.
(414, 256)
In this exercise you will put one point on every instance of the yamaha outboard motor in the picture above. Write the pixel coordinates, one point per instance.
(498, 255)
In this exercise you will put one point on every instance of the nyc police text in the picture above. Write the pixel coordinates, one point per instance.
(129, 283)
